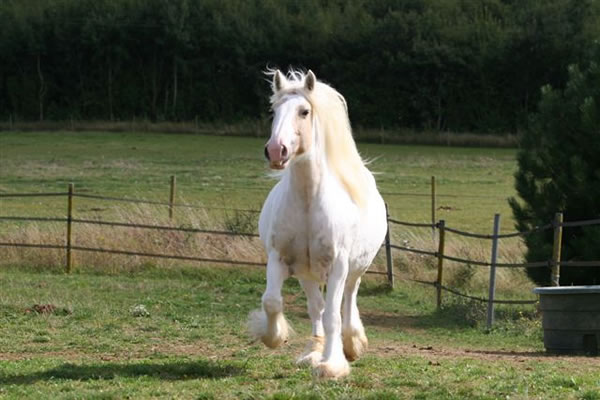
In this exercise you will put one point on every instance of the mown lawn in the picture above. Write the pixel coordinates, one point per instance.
(180, 333)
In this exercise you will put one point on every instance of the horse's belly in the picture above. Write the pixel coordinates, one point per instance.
(305, 258)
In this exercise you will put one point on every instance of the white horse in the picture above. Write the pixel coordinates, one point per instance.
(323, 222)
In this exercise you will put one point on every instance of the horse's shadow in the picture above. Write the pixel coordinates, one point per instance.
(170, 371)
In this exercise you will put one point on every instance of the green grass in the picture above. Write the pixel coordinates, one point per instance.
(193, 343)
(472, 183)
(229, 172)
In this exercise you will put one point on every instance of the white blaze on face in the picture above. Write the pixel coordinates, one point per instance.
(290, 131)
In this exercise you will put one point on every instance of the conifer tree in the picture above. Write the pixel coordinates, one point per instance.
(559, 171)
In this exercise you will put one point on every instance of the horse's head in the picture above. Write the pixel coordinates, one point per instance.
(291, 132)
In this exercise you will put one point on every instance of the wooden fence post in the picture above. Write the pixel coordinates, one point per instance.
(492, 293)
(172, 196)
(388, 250)
(69, 227)
(556, 249)
(433, 207)
(440, 253)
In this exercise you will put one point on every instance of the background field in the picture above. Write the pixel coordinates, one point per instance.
(191, 343)
(220, 173)
(472, 183)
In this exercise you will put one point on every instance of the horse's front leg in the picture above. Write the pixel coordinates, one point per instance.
(314, 348)
(268, 324)
(353, 332)
(334, 363)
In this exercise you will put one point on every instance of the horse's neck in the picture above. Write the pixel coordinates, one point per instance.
(305, 177)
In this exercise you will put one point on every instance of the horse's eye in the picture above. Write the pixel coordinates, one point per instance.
(304, 113)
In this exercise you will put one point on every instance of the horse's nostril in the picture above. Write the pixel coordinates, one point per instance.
(284, 151)
(267, 154)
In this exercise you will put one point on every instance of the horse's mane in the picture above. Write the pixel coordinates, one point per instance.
(333, 131)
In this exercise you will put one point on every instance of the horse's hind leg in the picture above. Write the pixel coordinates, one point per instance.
(269, 324)
(353, 332)
(314, 348)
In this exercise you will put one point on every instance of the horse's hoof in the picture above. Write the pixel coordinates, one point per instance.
(258, 328)
(330, 370)
(313, 352)
(354, 346)
(272, 343)
(312, 358)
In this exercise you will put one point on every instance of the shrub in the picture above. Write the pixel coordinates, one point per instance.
(559, 171)
(464, 311)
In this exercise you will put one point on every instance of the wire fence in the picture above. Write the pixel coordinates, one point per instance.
(160, 203)
(554, 263)
(72, 220)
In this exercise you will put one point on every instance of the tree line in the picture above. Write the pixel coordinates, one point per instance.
(458, 65)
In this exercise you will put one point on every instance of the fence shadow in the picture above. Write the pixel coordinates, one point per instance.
(394, 321)
(202, 369)
(374, 290)
(400, 322)
(515, 354)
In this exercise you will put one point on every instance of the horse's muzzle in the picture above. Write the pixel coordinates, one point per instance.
(277, 154)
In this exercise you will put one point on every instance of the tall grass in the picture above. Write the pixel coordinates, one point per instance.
(470, 278)
(138, 240)
(253, 127)
(261, 128)
(436, 138)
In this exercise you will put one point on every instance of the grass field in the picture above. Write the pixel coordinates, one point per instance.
(138, 328)
(190, 342)
(229, 172)
(472, 183)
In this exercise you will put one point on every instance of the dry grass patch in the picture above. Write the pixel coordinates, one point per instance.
(139, 240)
(468, 277)
(228, 247)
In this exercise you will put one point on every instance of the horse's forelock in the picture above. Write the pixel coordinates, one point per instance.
(281, 96)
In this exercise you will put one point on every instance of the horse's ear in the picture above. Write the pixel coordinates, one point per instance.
(309, 83)
(278, 81)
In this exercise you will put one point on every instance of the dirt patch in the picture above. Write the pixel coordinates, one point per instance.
(20, 356)
(436, 354)
(195, 349)
(388, 320)
(47, 309)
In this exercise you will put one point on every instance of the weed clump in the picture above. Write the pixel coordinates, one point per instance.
(464, 311)
(48, 309)
(139, 310)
